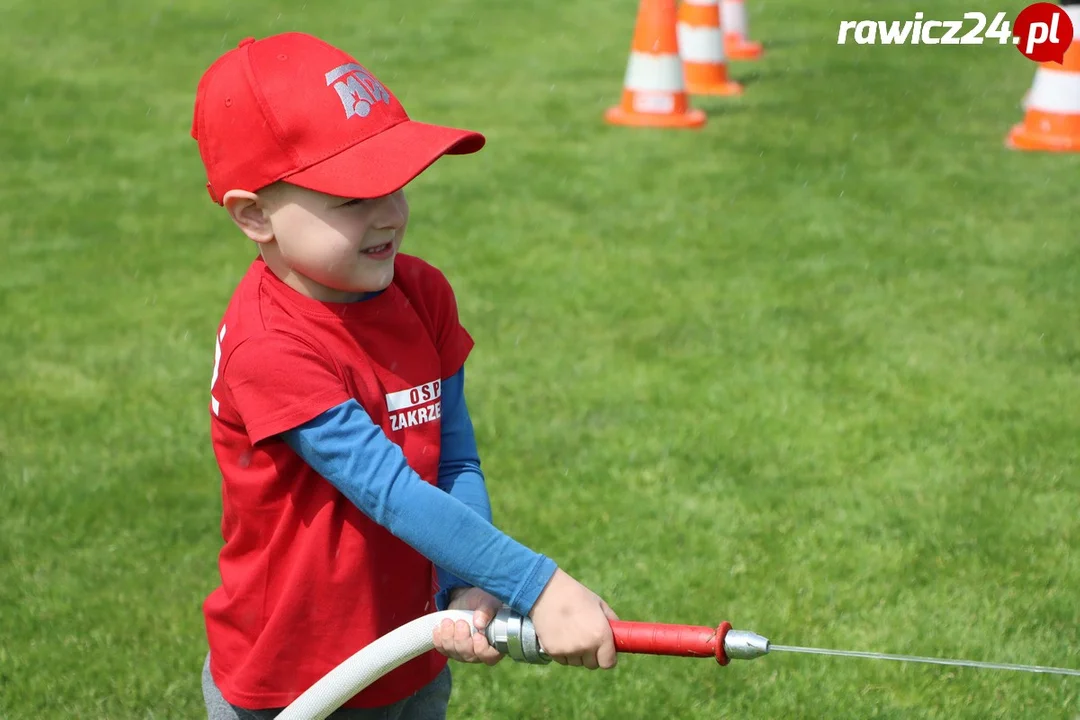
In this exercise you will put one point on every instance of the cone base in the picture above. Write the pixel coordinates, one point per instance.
(1022, 138)
(743, 50)
(728, 89)
(692, 118)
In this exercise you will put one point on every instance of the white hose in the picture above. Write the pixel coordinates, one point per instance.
(368, 665)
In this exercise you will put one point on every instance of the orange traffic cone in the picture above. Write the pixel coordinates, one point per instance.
(1052, 104)
(701, 45)
(737, 42)
(654, 92)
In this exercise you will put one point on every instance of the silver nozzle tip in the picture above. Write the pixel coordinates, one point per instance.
(744, 645)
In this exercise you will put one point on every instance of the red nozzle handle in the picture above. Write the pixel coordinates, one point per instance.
(644, 638)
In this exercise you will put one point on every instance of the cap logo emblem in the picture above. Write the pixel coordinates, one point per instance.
(358, 90)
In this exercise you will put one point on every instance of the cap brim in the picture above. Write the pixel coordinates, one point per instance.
(386, 162)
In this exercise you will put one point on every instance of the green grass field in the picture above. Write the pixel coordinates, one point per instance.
(812, 369)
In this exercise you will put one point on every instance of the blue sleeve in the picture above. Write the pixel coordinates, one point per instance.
(459, 468)
(354, 454)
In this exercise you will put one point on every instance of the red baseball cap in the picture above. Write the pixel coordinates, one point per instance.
(292, 107)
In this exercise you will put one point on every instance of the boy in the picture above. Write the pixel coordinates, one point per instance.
(353, 500)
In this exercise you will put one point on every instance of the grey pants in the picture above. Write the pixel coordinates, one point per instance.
(429, 703)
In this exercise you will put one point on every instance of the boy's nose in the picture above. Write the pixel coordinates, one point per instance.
(391, 211)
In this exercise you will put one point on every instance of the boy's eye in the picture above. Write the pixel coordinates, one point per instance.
(354, 201)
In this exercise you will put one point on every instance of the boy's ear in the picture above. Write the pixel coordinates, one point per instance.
(249, 213)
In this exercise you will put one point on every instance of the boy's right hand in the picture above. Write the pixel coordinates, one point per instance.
(573, 624)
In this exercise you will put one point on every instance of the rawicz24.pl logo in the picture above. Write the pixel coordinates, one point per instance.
(1041, 32)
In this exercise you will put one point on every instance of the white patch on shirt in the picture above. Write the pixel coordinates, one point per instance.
(415, 406)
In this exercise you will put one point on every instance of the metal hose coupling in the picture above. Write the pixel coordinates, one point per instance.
(514, 635)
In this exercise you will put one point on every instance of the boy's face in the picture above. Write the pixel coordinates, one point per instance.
(332, 248)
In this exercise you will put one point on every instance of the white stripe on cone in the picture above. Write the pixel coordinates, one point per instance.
(733, 17)
(1074, 15)
(700, 44)
(1054, 91)
(702, 3)
(654, 73)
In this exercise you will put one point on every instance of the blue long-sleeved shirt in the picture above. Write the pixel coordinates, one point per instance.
(450, 524)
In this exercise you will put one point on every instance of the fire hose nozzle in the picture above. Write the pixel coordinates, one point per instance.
(514, 634)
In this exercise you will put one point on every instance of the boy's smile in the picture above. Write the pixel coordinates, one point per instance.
(380, 252)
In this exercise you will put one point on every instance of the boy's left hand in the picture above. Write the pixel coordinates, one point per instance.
(453, 639)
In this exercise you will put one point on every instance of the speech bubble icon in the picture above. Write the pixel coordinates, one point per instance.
(1043, 32)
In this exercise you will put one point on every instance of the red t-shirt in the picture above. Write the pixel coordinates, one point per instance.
(307, 580)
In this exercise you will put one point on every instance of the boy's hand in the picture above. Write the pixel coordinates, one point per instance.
(573, 624)
(453, 639)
